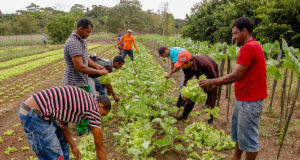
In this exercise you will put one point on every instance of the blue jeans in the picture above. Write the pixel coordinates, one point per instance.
(129, 52)
(96, 86)
(245, 124)
(181, 82)
(46, 138)
(100, 87)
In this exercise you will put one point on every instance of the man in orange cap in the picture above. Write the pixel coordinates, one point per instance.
(196, 66)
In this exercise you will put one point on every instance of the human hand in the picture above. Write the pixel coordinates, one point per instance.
(168, 76)
(102, 72)
(183, 97)
(100, 67)
(76, 153)
(116, 98)
(206, 83)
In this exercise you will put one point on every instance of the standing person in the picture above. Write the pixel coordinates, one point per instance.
(78, 63)
(172, 54)
(44, 39)
(120, 47)
(196, 66)
(250, 90)
(103, 89)
(51, 140)
(127, 47)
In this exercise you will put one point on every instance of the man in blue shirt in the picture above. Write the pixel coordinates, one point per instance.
(173, 53)
(120, 36)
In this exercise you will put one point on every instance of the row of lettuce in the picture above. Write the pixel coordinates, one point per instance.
(147, 126)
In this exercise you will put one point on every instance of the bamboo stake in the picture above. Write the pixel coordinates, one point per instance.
(289, 118)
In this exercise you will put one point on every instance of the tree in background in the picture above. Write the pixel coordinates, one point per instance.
(60, 28)
(126, 14)
(211, 20)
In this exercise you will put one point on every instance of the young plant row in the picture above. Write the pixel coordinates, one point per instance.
(12, 53)
(29, 58)
(20, 69)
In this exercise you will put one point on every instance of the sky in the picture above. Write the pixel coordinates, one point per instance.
(179, 8)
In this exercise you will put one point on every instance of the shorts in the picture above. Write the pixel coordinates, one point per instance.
(245, 124)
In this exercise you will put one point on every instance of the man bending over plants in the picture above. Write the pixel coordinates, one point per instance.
(250, 90)
(104, 89)
(196, 66)
(50, 139)
(172, 53)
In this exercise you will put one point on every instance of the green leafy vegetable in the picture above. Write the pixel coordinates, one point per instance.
(193, 92)
(214, 112)
(201, 132)
(10, 150)
(9, 132)
(24, 148)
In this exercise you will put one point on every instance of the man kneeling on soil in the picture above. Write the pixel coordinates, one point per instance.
(196, 66)
(51, 140)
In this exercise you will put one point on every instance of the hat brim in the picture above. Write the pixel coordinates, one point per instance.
(178, 64)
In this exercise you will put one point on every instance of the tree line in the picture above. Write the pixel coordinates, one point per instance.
(211, 20)
(126, 14)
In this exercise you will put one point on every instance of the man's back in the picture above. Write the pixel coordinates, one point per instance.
(68, 104)
(174, 51)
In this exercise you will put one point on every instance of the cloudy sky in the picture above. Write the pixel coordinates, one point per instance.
(177, 7)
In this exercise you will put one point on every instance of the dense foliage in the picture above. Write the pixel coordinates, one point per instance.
(126, 14)
(211, 20)
(60, 28)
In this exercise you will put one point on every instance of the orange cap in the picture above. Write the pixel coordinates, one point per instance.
(183, 56)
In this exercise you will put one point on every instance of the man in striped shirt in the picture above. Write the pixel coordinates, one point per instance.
(78, 63)
(48, 139)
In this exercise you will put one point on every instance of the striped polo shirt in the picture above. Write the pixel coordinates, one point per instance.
(75, 46)
(68, 104)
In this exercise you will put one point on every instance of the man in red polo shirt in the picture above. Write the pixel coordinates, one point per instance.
(250, 90)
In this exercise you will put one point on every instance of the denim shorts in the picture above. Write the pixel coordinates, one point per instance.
(245, 124)
(45, 137)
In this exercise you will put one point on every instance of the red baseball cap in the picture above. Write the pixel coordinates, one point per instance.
(183, 56)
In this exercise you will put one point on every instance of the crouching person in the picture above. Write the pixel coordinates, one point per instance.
(46, 114)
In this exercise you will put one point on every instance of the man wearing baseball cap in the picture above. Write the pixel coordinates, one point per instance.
(196, 66)
(127, 47)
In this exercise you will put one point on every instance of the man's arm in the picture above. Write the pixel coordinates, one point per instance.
(80, 67)
(172, 71)
(135, 45)
(120, 41)
(111, 90)
(69, 139)
(171, 65)
(93, 64)
(236, 75)
(99, 146)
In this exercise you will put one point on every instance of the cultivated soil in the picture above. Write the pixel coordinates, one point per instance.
(268, 138)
